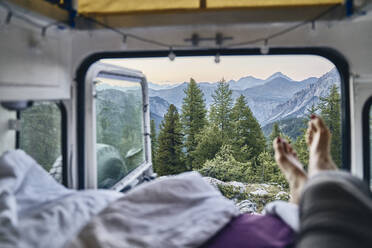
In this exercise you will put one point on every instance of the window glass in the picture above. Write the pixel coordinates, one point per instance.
(220, 118)
(7, 136)
(370, 147)
(40, 136)
(119, 126)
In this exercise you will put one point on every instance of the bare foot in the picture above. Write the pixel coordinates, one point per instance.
(318, 139)
(291, 167)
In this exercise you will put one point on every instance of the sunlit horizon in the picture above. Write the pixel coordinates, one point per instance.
(203, 68)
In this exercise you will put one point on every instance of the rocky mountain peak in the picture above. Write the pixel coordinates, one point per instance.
(278, 74)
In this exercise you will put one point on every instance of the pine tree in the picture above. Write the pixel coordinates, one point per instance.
(276, 132)
(310, 111)
(169, 156)
(226, 168)
(221, 108)
(193, 119)
(248, 138)
(331, 114)
(153, 143)
(268, 171)
(218, 132)
(209, 143)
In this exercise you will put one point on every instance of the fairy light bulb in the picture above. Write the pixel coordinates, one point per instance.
(171, 55)
(265, 48)
(124, 43)
(217, 58)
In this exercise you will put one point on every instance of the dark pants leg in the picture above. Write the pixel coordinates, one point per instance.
(335, 211)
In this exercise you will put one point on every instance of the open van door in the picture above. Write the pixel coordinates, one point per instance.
(117, 128)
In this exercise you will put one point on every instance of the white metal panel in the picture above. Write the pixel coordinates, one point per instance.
(33, 66)
(362, 90)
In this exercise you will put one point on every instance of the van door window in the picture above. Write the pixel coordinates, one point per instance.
(40, 136)
(119, 130)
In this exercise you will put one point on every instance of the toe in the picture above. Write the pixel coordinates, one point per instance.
(318, 123)
(278, 145)
(312, 126)
(285, 146)
(289, 148)
(310, 133)
(321, 129)
(279, 149)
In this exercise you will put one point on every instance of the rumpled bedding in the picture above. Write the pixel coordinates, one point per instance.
(178, 211)
(36, 211)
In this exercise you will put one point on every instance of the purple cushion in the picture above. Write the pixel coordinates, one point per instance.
(255, 231)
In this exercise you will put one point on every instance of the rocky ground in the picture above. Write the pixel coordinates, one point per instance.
(250, 198)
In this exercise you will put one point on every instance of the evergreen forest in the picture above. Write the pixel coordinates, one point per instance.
(227, 142)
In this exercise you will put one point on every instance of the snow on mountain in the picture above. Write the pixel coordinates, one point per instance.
(278, 75)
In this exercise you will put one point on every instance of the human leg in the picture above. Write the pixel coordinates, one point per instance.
(318, 138)
(291, 167)
(335, 208)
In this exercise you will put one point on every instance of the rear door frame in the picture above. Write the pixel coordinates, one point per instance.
(103, 70)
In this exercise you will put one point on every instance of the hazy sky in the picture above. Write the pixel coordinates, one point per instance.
(204, 69)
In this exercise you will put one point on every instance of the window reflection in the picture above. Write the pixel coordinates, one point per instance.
(119, 125)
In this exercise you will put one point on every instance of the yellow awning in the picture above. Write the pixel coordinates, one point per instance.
(127, 6)
(268, 3)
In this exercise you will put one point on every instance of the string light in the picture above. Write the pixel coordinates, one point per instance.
(284, 31)
(313, 25)
(21, 16)
(171, 54)
(8, 17)
(124, 43)
(162, 44)
(313, 31)
(43, 31)
(34, 45)
(265, 48)
(217, 58)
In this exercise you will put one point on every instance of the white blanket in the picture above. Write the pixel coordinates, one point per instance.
(286, 211)
(178, 211)
(36, 211)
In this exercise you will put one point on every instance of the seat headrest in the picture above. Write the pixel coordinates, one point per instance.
(16, 105)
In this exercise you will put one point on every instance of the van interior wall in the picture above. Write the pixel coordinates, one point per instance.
(33, 66)
(36, 62)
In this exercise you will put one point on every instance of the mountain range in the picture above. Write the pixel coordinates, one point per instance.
(276, 98)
